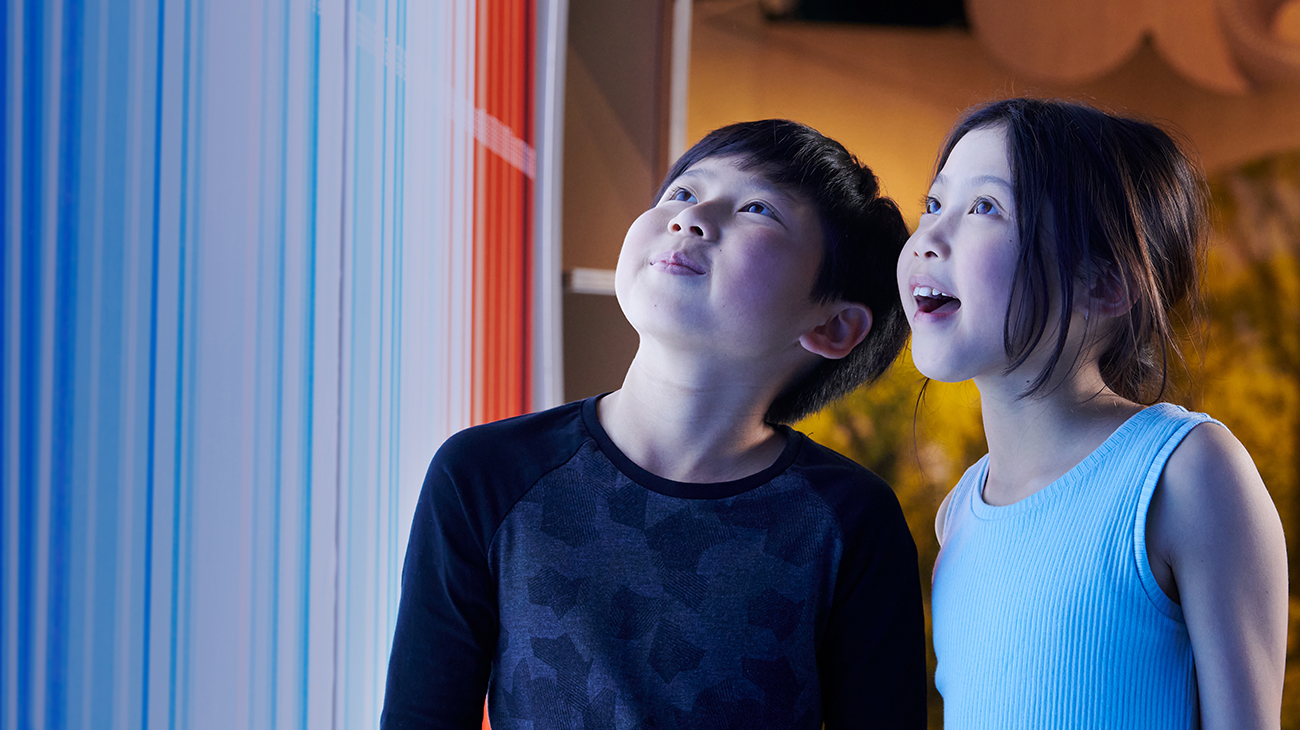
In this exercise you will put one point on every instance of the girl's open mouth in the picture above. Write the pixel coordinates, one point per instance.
(931, 300)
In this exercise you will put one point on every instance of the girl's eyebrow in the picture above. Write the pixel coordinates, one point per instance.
(979, 180)
(992, 180)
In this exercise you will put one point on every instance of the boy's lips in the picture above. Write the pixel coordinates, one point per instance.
(678, 263)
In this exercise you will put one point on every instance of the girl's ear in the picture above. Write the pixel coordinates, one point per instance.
(1109, 294)
(838, 335)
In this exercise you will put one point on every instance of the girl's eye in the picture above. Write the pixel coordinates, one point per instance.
(931, 205)
(984, 206)
(757, 207)
(681, 195)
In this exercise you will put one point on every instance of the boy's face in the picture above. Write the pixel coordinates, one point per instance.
(725, 262)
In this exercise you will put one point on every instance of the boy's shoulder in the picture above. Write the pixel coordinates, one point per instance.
(517, 443)
(822, 465)
(855, 493)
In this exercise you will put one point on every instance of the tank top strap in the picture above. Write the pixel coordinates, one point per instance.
(967, 489)
(1167, 426)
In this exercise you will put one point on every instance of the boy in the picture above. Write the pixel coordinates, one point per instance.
(668, 555)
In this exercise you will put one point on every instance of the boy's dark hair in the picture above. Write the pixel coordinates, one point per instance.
(1098, 195)
(863, 234)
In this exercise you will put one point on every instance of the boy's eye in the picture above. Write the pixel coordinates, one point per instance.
(931, 205)
(681, 195)
(757, 207)
(984, 206)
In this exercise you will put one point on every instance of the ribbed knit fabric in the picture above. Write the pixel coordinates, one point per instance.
(1046, 612)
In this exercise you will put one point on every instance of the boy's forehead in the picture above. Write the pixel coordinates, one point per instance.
(754, 174)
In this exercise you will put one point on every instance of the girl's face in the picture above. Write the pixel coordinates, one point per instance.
(955, 273)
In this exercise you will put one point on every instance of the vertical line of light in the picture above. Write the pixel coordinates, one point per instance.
(338, 442)
(449, 386)
(528, 119)
(190, 433)
(154, 247)
(178, 465)
(108, 458)
(5, 456)
(313, 132)
(377, 628)
(399, 205)
(278, 414)
(549, 146)
(65, 328)
(29, 344)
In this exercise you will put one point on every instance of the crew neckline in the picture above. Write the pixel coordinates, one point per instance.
(1077, 473)
(687, 490)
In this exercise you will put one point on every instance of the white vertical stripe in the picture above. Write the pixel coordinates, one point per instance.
(548, 336)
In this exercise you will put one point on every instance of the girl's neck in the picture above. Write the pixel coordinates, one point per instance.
(1035, 440)
(693, 422)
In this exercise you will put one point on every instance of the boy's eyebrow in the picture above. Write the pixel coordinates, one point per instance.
(757, 182)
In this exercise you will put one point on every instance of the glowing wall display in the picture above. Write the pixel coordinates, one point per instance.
(259, 259)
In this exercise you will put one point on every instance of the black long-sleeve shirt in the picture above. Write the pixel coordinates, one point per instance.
(577, 590)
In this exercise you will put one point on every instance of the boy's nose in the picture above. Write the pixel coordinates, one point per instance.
(694, 221)
(697, 230)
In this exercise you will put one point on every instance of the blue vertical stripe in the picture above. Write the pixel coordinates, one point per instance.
(155, 242)
(309, 357)
(349, 38)
(386, 273)
(178, 451)
(5, 618)
(29, 347)
(399, 217)
(65, 357)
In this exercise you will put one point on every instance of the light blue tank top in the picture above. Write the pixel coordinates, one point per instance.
(1046, 613)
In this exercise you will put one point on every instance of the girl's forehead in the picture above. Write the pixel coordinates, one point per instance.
(982, 150)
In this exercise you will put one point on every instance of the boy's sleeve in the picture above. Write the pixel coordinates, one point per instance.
(446, 629)
(872, 656)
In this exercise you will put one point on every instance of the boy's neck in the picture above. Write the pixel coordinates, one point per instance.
(690, 424)
(1034, 441)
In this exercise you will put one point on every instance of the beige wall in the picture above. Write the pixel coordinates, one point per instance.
(614, 125)
(615, 137)
(891, 94)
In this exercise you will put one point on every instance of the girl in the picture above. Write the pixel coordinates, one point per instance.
(1109, 563)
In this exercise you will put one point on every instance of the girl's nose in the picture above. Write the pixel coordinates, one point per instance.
(930, 243)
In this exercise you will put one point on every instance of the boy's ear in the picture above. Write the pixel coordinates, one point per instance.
(838, 335)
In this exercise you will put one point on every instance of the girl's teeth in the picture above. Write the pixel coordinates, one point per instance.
(927, 291)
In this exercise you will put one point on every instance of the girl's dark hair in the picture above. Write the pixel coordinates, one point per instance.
(1098, 195)
(863, 233)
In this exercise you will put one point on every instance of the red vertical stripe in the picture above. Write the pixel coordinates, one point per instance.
(504, 211)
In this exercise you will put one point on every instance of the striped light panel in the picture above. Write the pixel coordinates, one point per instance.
(260, 259)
